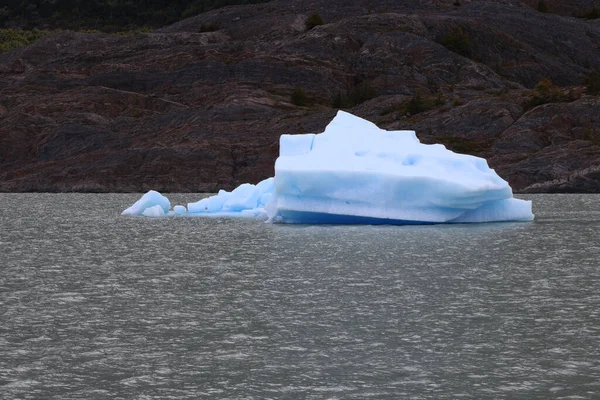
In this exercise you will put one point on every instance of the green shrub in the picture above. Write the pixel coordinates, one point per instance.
(314, 20)
(543, 93)
(355, 96)
(12, 39)
(299, 97)
(545, 86)
(592, 81)
(193, 9)
(416, 105)
(420, 103)
(211, 27)
(546, 92)
(361, 93)
(586, 63)
(338, 101)
(593, 13)
(141, 29)
(457, 41)
(542, 6)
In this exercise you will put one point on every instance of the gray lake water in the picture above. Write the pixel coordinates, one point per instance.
(98, 306)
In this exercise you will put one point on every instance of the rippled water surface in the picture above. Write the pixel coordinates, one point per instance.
(98, 306)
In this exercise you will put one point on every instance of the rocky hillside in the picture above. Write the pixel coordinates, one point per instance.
(199, 105)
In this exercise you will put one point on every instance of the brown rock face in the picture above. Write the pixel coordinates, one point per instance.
(186, 110)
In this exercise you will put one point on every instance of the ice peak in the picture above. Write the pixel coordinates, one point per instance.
(345, 122)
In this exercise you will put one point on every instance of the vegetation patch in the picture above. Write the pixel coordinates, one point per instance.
(542, 6)
(457, 41)
(592, 13)
(546, 92)
(299, 97)
(416, 105)
(355, 96)
(419, 103)
(314, 20)
(212, 27)
(136, 31)
(11, 38)
(592, 82)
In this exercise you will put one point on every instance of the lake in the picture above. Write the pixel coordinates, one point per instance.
(98, 306)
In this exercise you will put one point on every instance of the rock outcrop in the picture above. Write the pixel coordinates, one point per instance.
(200, 105)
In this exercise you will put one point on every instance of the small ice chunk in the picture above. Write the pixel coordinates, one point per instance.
(155, 211)
(150, 199)
(210, 204)
(244, 197)
(179, 210)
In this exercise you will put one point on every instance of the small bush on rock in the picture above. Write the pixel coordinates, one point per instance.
(355, 96)
(546, 92)
(542, 6)
(416, 105)
(419, 103)
(457, 41)
(593, 82)
(314, 20)
(211, 27)
(12, 38)
(299, 97)
(593, 13)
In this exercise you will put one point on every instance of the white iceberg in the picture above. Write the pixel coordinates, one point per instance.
(246, 200)
(356, 173)
(154, 212)
(179, 210)
(149, 200)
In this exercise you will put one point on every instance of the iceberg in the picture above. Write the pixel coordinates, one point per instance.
(151, 199)
(246, 200)
(154, 211)
(179, 210)
(356, 173)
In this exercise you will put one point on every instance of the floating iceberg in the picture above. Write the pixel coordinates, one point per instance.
(150, 200)
(356, 173)
(245, 200)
